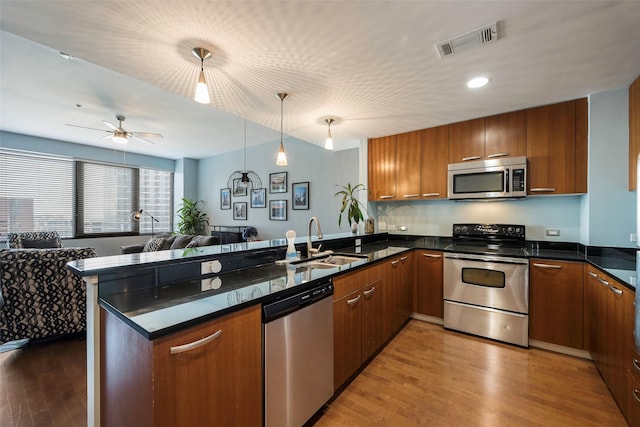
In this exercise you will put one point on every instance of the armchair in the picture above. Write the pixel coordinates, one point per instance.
(34, 239)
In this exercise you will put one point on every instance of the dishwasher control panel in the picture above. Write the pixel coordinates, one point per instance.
(276, 309)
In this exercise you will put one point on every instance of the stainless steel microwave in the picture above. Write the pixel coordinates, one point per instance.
(488, 179)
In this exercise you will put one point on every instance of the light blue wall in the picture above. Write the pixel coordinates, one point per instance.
(307, 162)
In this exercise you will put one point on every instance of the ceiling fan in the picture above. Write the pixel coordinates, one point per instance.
(118, 134)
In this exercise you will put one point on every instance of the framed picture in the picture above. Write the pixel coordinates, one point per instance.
(238, 190)
(259, 198)
(278, 182)
(300, 195)
(278, 210)
(225, 198)
(240, 210)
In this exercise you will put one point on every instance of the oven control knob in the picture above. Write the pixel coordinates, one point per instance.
(518, 230)
(509, 230)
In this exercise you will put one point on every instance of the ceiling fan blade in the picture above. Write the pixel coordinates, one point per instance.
(136, 135)
(85, 127)
(146, 134)
(110, 125)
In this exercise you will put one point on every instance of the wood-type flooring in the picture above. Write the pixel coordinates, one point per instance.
(425, 377)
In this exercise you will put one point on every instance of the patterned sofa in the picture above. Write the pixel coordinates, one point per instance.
(39, 296)
(166, 241)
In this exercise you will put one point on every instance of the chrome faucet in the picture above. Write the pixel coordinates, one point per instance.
(310, 249)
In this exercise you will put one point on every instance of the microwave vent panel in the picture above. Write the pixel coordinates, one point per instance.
(472, 39)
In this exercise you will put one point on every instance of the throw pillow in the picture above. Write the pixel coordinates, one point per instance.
(39, 243)
(181, 241)
(191, 244)
(153, 244)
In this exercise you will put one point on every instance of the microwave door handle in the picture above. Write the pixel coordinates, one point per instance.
(506, 181)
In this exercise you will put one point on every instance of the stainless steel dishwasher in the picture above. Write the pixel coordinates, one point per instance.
(298, 356)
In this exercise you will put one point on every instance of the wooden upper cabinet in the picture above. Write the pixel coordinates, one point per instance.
(435, 158)
(382, 168)
(506, 135)
(466, 141)
(408, 165)
(554, 138)
(634, 132)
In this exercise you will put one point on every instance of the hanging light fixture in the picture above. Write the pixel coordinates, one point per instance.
(248, 178)
(282, 157)
(202, 91)
(328, 143)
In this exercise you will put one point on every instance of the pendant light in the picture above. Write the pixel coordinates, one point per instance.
(282, 157)
(202, 91)
(248, 178)
(328, 143)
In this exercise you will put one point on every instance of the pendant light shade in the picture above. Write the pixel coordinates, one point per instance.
(248, 178)
(202, 91)
(328, 143)
(282, 157)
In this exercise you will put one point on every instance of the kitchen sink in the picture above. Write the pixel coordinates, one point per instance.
(330, 261)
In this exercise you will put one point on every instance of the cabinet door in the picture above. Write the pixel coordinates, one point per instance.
(551, 148)
(406, 283)
(371, 318)
(617, 342)
(347, 337)
(466, 141)
(591, 319)
(408, 165)
(556, 304)
(382, 168)
(634, 131)
(391, 299)
(435, 159)
(216, 382)
(429, 279)
(506, 135)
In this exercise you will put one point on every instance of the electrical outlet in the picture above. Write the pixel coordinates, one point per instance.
(382, 225)
(403, 228)
(210, 284)
(210, 267)
(391, 227)
(553, 232)
(633, 237)
(358, 242)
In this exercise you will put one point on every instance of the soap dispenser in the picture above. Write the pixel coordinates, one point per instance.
(291, 255)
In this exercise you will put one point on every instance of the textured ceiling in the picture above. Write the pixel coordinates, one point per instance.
(372, 65)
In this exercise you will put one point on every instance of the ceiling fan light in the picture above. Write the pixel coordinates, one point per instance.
(328, 143)
(282, 157)
(120, 138)
(202, 91)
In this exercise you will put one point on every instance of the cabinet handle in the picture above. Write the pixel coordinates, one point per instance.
(548, 189)
(404, 259)
(369, 292)
(636, 364)
(193, 345)
(353, 300)
(430, 194)
(592, 274)
(616, 290)
(410, 196)
(635, 395)
(466, 159)
(395, 262)
(431, 256)
(535, 264)
(604, 282)
(387, 197)
(493, 156)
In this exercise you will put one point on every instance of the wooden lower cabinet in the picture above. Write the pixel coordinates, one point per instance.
(556, 304)
(357, 320)
(397, 304)
(163, 383)
(429, 277)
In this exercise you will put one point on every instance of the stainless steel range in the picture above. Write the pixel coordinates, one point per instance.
(486, 282)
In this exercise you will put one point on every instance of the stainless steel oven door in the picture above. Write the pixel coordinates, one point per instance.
(487, 281)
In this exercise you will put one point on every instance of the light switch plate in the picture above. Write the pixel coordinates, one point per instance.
(553, 232)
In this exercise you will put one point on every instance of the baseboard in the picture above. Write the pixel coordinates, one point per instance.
(429, 319)
(583, 354)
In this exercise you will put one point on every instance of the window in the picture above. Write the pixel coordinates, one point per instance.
(81, 199)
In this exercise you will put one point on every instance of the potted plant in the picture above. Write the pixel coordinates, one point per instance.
(351, 204)
(192, 220)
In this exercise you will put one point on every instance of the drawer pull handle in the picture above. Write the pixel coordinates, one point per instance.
(353, 300)
(493, 156)
(542, 189)
(592, 274)
(616, 290)
(604, 282)
(367, 293)
(635, 395)
(404, 259)
(430, 194)
(387, 197)
(466, 159)
(395, 262)
(410, 196)
(535, 264)
(431, 256)
(636, 364)
(193, 345)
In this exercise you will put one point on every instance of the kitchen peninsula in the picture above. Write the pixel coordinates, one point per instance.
(138, 304)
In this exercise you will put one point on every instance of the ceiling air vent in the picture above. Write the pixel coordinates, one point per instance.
(479, 37)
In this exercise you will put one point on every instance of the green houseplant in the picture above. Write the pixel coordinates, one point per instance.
(191, 219)
(350, 203)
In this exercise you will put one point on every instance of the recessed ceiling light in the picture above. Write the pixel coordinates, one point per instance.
(477, 82)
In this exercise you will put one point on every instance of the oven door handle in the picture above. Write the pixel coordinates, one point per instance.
(497, 260)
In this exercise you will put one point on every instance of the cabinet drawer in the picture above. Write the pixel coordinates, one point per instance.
(634, 362)
(633, 402)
